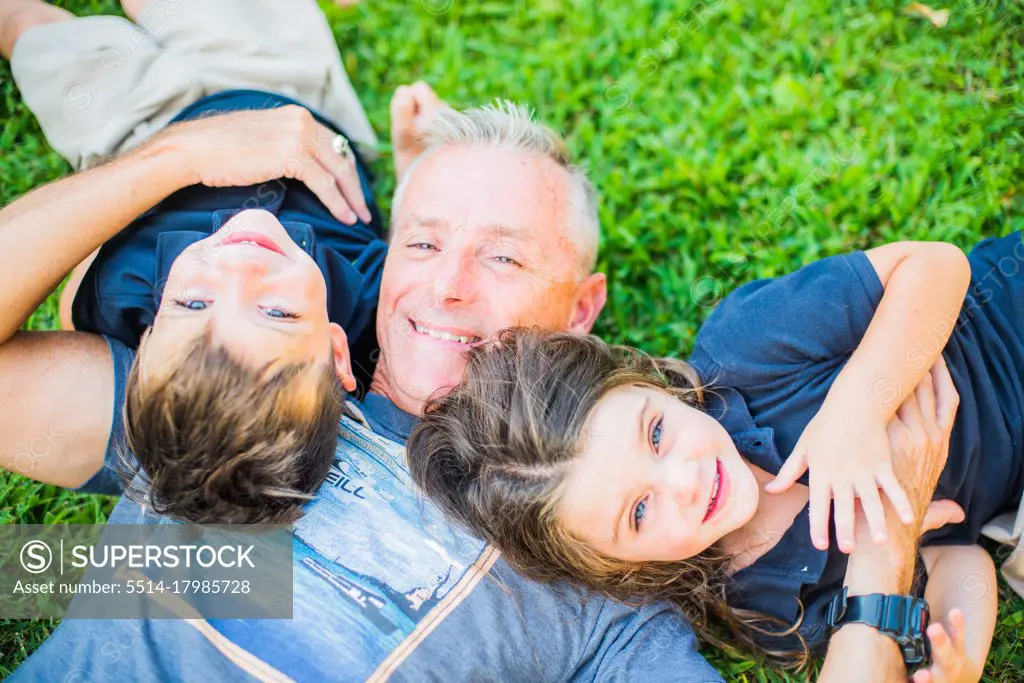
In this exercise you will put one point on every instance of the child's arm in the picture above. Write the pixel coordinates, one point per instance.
(961, 590)
(845, 445)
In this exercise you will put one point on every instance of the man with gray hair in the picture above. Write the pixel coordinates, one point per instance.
(493, 227)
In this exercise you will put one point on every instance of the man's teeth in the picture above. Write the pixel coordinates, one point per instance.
(714, 490)
(444, 335)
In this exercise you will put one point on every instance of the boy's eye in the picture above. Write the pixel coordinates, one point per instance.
(638, 513)
(656, 434)
(278, 313)
(191, 304)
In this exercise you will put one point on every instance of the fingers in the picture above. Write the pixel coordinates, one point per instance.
(909, 413)
(323, 185)
(403, 106)
(943, 653)
(947, 399)
(791, 470)
(888, 482)
(923, 676)
(820, 498)
(844, 517)
(345, 174)
(874, 512)
(957, 631)
(940, 513)
(926, 398)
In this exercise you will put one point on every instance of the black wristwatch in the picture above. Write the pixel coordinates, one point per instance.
(903, 618)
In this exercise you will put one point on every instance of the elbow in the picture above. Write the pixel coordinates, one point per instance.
(950, 265)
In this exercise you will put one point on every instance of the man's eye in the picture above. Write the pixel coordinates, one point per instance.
(508, 260)
(638, 513)
(423, 246)
(278, 313)
(656, 434)
(191, 304)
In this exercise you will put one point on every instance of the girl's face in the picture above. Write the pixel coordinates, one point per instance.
(657, 480)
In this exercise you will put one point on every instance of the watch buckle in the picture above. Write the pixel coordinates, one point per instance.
(837, 608)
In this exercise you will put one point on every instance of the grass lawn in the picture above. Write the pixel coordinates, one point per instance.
(730, 140)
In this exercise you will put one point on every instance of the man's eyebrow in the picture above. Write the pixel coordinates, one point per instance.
(642, 438)
(427, 222)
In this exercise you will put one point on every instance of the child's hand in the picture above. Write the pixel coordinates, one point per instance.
(848, 459)
(949, 657)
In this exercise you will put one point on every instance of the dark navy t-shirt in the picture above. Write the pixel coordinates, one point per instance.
(780, 343)
(121, 290)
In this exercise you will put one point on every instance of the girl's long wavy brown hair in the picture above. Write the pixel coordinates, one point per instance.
(493, 454)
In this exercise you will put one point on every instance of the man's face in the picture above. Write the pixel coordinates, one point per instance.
(481, 241)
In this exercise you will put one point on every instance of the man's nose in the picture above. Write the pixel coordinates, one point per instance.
(457, 280)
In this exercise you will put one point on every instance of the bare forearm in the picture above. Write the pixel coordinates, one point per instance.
(44, 234)
(925, 284)
(858, 652)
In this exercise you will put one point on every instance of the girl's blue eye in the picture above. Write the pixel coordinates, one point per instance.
(191, 304)
(656, 434)
(638, 513)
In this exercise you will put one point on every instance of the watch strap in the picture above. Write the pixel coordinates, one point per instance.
(903, 618)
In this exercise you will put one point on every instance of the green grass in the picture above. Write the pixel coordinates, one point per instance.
(730, 140)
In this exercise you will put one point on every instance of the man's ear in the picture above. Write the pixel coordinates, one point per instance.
(342, 357)
(590, 299)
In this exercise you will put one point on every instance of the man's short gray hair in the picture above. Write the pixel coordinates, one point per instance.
(510, 125)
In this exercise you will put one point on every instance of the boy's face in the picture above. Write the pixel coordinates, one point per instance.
(656, 479)
(260, 294)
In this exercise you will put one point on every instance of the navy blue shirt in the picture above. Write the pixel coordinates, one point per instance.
(121, 291)
(777, 345)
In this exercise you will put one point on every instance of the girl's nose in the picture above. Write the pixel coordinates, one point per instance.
(685, 483)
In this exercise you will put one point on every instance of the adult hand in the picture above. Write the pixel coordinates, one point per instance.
(249, 147)
(949, 657)
(940, 513)
(919, 435)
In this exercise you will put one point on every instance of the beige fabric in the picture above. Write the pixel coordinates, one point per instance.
(101, 85)
(1009, 529)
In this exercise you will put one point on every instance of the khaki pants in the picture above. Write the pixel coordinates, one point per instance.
(1009, 528)
(101, 85)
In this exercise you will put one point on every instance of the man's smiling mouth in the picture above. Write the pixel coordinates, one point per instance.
(444, 336)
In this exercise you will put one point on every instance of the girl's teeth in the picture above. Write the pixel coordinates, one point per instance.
(714, 491)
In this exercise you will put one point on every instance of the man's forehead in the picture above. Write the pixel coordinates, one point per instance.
(489, 185)
(416, 221)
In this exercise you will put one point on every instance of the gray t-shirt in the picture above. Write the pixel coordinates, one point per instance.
(445, 604)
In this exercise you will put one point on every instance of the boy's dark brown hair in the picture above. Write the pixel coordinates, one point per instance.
(494, 452)
(219, 442)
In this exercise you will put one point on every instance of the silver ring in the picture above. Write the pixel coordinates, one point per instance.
(341, 146)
